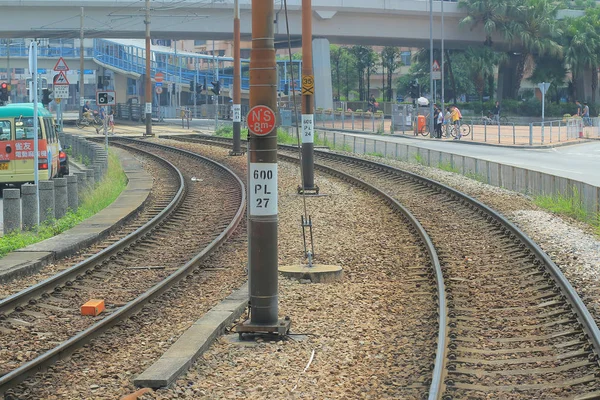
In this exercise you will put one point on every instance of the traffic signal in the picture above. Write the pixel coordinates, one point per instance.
(199, 88)
(4, 91)
(286, 89)
(216, 89)
(46, 99)
(192, 87)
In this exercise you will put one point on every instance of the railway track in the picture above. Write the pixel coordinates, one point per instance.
(42, 324)
(515, 327)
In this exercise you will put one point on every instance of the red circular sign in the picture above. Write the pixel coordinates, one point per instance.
(158, 77)
(260, 120)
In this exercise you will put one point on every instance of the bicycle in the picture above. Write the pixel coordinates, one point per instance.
(83, 122)
(465, 130)
(491, 120)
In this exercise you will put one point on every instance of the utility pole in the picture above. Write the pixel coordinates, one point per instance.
(236, 107)
(148, 91)
(308, 103)
(442, 67)
(81, 67)
(262, 177)
(431, 119)
(216, 75)
(9, 72)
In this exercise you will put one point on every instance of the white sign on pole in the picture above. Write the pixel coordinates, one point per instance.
(81, 101)
(263, 189)
(61, 91)
(435, 71)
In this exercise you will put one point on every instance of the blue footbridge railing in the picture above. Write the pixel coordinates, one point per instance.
(175, 68)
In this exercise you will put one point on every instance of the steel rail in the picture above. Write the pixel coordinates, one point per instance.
(436, 386)
(69, 346)
(541, 258)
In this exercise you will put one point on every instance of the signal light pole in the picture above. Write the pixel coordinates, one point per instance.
(236, 108)
(262, 178)
(308, 103)
(148, 90)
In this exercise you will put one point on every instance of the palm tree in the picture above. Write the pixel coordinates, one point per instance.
(582, 42)
(482, 65)
(534, 29)
(489, 13)
(363, 62)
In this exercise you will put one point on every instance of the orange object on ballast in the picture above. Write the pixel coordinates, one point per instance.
(92, 307)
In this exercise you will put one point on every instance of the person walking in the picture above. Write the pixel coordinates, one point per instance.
(579, 111)
(439, 123)
(447, 119)
(496, 113)
(111, 121)
(586, 114)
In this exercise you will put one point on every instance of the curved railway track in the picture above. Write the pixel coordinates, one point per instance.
(516, 327)
(41, 324)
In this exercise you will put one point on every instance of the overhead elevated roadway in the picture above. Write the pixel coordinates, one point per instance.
(376, 22)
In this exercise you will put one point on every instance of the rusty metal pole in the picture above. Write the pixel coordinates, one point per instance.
(262, 177)
(237, 83)
(148, 91)
(308, 102)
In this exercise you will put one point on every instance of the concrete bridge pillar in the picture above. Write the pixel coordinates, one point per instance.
(322, 71)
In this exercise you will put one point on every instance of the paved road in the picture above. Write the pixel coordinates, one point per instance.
(577, 161)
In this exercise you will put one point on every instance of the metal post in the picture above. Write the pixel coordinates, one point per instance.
(81, 67)
(237, 83)
(442, 55)
(105, 123)
(34, 69)
(8, 71)
(148, 91)
(216, 76)
(262, 178)
(530, 134)
(195, 86)
(431, 121)
(307, 100)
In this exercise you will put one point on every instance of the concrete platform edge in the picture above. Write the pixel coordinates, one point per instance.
(194, 342)
(33, 258)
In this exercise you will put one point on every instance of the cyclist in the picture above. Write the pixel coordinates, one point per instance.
(456, 116)
(372, 104)
(86, 111)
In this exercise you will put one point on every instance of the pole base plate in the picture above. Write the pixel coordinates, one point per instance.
(308, 191)
(318, 273)
(281, 328)
(236, 153)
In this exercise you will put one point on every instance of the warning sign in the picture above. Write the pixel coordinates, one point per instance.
(61, 79)
(261, 120)
(308, 84)
(61, 65)
(435, 71)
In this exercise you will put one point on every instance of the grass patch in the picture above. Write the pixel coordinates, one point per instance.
(93, 201)
(570, 205)
(419, 159)
(376, 154)
(448, 167)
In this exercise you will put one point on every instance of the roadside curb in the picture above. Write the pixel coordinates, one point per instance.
(33, 258)
(194, 341)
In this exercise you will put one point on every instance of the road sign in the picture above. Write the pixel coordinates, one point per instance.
(61, 91)
(159, 77)
(61, 65)
(57, 101)
(158, 84)
(544, 87)
(60, 79)
(158, 90)
(260, 120)
(308, 84)
(436, 72)
(106, 98)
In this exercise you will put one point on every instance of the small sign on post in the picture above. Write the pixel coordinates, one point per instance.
(435, 71)
(106, 98)
(308, 85)
(261, 120)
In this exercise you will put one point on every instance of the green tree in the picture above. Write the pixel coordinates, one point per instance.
(532, 27)
(491, 14)
(363, 60)
(390, 62)
(582, 41)
(337, 54)
(552, 70)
